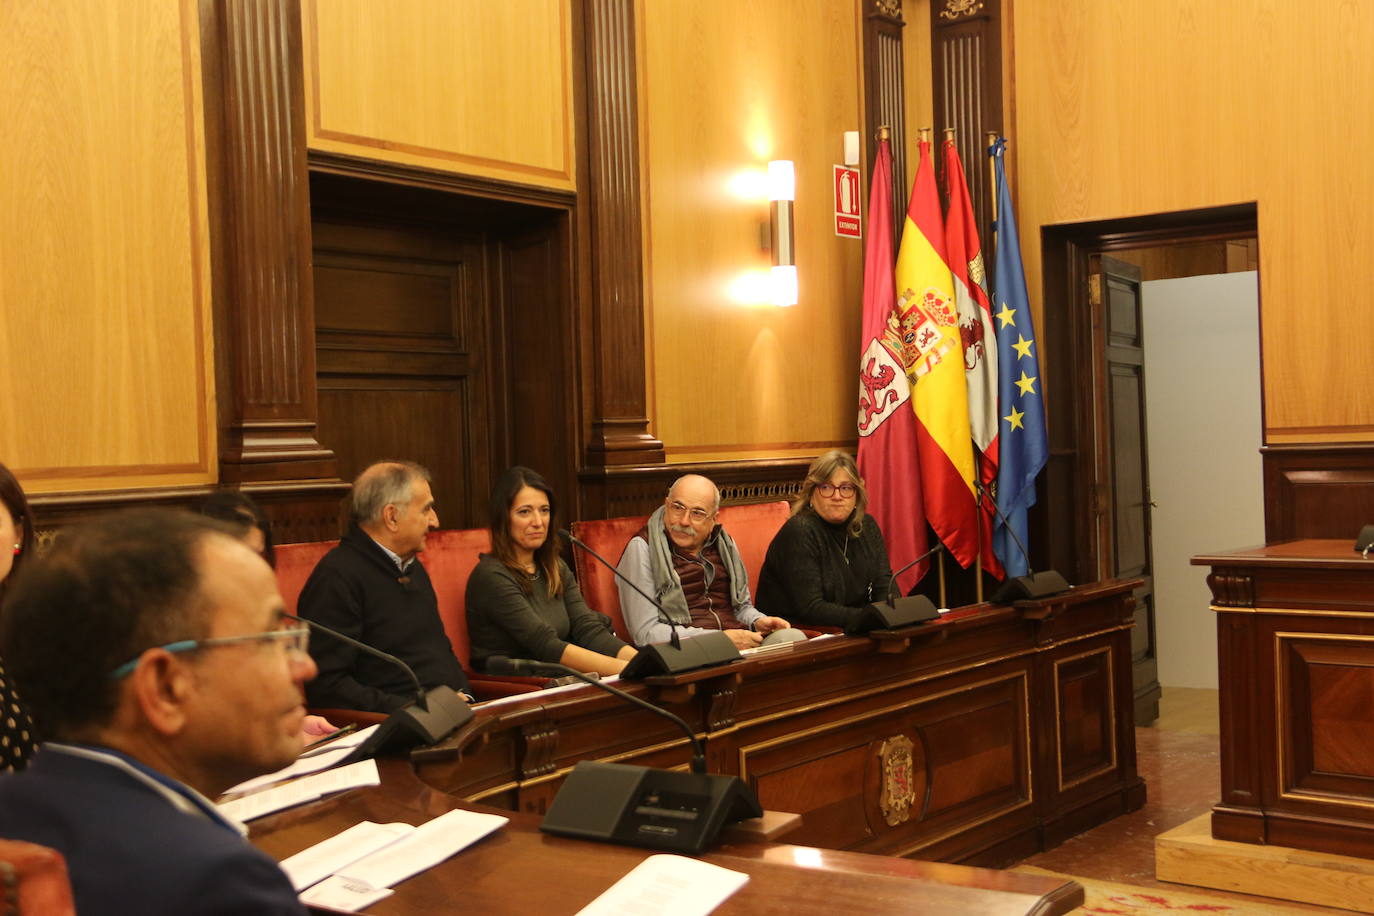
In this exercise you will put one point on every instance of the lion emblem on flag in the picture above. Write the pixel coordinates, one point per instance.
(882, 384)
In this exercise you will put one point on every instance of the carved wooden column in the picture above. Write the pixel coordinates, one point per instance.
(966, 60)
(260, 214)
(611, 246)
(884, 98)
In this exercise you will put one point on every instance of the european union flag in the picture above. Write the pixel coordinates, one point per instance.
(1020, 404)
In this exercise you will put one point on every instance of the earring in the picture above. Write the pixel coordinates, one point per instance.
(18, 549)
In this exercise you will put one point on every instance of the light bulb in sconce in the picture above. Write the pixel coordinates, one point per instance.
(782, 180)
(784, 281)
(782, 190)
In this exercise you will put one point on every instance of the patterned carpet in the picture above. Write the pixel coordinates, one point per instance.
(1105, 898)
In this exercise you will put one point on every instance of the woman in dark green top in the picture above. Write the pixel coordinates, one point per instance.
(829, 560)
(522, 600)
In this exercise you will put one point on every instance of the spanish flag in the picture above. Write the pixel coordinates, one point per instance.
(928, 321)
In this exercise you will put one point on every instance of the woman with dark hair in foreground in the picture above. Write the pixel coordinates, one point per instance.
(17, 742)
(522, 599)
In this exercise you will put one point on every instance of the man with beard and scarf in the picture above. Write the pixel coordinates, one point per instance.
(691, 566)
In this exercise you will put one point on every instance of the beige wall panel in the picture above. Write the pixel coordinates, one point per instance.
(918, 91)
(105, 355)
(472, 86)
(1140, 106)
(728, 86)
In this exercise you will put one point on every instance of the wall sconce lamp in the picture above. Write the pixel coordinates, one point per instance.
(782, 191)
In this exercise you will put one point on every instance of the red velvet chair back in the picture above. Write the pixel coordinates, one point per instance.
(295, 563)
(43, 888)
(752, 526)
(449, 558)
(607, 537)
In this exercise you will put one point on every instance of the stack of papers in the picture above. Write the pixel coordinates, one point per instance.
(358, 867)
(297, 792)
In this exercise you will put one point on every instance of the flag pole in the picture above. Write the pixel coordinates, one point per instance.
(992, 180)
(941, 557)
(883, 132)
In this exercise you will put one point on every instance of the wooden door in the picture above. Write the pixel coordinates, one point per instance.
(1122, 504)
(400, 333)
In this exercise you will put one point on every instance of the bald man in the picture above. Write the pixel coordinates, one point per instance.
(686, 560)
(372, 588)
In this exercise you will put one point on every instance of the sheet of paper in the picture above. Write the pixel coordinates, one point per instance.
(350, 740)
(301, 767)
(427, 846)
(668, 885)
(339, 895)
(299, 791)
(310, 866)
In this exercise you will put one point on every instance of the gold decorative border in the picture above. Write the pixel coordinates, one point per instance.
(1292, 612)
(1280, 717)
(1058, 722)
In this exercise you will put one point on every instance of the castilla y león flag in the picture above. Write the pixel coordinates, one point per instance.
(980, 346)
(887, 427)
(928, 323)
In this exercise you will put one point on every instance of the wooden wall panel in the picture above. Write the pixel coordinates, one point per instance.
(727, 87)
(466, 86)
(1141, 106)
(104, 258)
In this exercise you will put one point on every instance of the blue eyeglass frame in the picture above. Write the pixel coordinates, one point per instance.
(300, 635)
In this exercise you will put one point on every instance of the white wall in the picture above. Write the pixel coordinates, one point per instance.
(1202, 390)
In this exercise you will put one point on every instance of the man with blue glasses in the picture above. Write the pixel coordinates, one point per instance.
(152, 651)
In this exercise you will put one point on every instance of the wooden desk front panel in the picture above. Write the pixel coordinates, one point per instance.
(981, 738)
(1295, 636)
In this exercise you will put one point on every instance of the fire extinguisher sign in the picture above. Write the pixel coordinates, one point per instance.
(848, 222)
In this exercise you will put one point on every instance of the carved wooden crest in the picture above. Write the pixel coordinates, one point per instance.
(956, 8)
(899, 779)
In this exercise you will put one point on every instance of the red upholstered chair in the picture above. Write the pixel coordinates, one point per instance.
(449, 558)
(752, 526)
(607, 537)
(295, 563)
(40, 879)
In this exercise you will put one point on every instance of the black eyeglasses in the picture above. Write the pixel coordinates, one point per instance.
(295, 639)
(696, 515)
(845, 489)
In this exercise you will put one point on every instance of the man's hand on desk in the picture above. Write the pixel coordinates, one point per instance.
(744, 639)
(314, 728)
(766, 625)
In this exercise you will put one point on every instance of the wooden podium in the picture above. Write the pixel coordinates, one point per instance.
(1295, 644)
(980, 738)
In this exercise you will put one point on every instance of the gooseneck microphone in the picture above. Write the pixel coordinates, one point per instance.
(432, 715)
(639, 806)
(567, 535)
(891, 583)
(500, 664)
(677, 655)
(1033, 584)
(420, 699)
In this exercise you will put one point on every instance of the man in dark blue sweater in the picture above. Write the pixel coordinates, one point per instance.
(372, 588)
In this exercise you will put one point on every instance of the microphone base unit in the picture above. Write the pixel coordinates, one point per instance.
(903, 612)
(1364, 542)
(1036, 585)
(702, 651)
(654, 809)
(411, 725)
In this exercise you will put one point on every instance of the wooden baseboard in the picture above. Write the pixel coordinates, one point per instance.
(1189, 855)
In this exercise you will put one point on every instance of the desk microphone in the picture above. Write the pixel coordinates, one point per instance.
(639, 806)
(896, 612)
(1033, 584)
(426, 720)
(677, 655)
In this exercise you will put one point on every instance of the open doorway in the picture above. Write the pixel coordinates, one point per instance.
(1128, 300)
